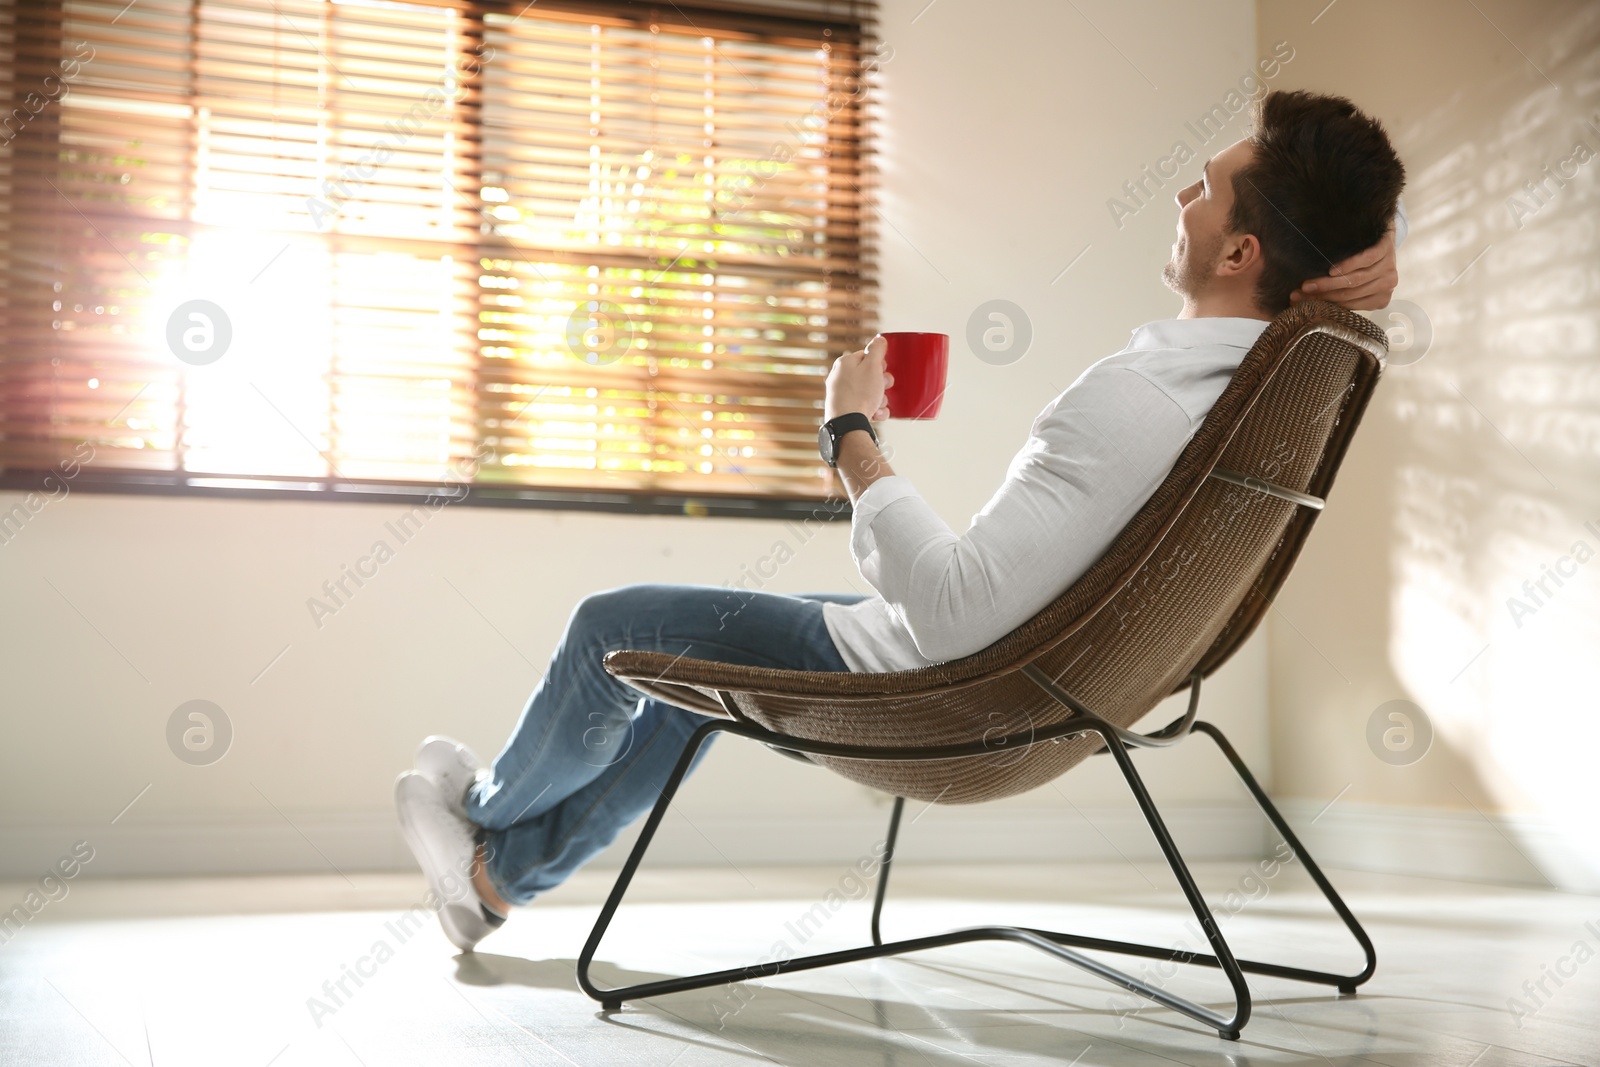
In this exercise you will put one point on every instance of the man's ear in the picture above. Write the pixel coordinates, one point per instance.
(1240, 258)
(1241, 255)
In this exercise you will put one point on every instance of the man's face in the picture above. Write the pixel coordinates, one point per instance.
(1203, 210)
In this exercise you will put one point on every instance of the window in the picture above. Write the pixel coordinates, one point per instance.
(579, 252)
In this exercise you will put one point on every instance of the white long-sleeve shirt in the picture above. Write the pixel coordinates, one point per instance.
(1093, 457)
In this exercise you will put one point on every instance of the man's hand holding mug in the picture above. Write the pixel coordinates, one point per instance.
(864, 381)
(858, 381)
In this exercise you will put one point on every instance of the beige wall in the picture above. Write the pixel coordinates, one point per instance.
(999, 154)
(1477, 464)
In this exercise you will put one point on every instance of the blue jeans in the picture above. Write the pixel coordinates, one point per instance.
(590, 753)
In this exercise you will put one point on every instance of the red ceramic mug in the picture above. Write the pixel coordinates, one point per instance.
(917, 362)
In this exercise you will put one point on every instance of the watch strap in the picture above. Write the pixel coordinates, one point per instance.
(840, 425)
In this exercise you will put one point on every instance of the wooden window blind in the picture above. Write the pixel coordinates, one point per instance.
(579, 251)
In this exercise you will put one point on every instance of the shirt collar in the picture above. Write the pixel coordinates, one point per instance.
(1204, 332)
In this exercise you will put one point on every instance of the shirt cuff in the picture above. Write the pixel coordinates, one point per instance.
(877, 496)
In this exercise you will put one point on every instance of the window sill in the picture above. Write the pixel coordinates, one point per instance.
(157, 483)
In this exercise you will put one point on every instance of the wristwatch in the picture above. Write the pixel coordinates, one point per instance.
(833, 431)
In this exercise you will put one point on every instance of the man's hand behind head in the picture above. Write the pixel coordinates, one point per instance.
(1364, 282)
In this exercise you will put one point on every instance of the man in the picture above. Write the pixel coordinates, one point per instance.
(1306, 204)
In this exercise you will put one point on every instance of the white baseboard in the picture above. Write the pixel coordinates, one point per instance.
(370, 841)
(1438, 843)
(1518, 850)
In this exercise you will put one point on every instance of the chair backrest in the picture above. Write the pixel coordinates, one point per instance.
(1181, 587)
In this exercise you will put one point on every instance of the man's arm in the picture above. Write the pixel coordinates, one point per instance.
(861, 463)
(1093, 458)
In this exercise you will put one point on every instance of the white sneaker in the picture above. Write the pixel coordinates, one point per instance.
(445, 845)
(453, 767)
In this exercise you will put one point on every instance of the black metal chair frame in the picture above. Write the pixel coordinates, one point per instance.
(1118, 742)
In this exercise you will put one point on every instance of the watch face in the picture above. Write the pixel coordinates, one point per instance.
(825, 444)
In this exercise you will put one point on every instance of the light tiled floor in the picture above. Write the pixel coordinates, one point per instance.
(223, 972)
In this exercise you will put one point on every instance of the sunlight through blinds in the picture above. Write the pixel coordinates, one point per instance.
(580, 247)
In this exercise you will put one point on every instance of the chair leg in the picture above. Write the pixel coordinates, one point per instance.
(1231, 966)
(1052, 942)
(1228, 1028)
(1346, 983)
(883, 871)
(610, 1000)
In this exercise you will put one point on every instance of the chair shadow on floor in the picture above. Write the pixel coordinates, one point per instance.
(880, 1020)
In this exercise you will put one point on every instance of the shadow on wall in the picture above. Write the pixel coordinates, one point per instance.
(1495, 546)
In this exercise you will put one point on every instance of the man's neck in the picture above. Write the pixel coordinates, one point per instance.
(1222, 305)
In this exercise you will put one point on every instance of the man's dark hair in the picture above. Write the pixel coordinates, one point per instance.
(1321, 187)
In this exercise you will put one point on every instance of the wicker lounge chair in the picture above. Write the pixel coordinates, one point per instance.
(1181, 588)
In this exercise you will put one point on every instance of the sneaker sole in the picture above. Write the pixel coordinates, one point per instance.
(456, 914)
